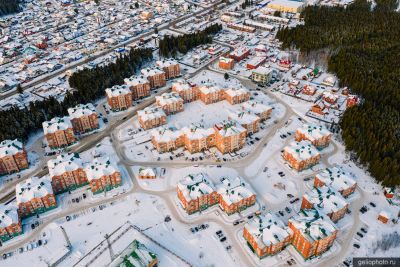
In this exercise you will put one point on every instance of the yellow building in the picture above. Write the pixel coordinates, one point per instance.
(286, 6)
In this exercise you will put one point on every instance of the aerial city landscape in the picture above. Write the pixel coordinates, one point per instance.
(199, 133)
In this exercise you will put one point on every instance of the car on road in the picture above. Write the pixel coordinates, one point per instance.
(288, 210)
(356, 245)
(67, 218)
(360, 234)
(223, 239)
(363, 230)
(235, 222)
(372, 204)
(281, 213)
(294, 200)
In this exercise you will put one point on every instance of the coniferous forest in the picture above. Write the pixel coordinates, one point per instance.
(9, 7)
(171, 45)
(364, 43)
(89, 85)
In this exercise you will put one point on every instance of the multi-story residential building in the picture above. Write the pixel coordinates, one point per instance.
(309, 90)
(196, 193)
(119, 97)
(255, 62)
(66, 172)
(262, 111)
(139, 86)
(188, 92)
(171, 103)
(236, 95)
(147, 173)
(226, 63)
(166, 139)
(319, 136)
(211, 94)
(151, 117)
(301, 155)
(313, 233)
(34, 196)
(13, 157)
(59, 132)
(83, 118)
(235, 195)
(156, 77)
(327, 201)
(337, 179)
(102, 175)
(171, 68)
(247, 120)
(10, 223)
(229, 136)
(261, 75)
(239, 53)
(197, 139)
(266, 235)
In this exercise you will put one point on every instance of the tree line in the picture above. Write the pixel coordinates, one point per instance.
(364, 47)
(9, 6)
(169, 46)
(88, 85)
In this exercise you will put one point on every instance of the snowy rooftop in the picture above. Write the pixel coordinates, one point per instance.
(336, 178)
(8, 215)
(181, 85)
(100, 167)
(196, 132)
(313, 225)
(151, 72)
(56, 124)
(147, 172)
(135, 80)
(166, 63)
(151, 113)
(165, 135)
(287, 3)
(64, 163)
(10, 147)
(243, 117)
(194, 186)
(117, 90)
(234, 190)
(267, 229)
(230, 129)
(326, 199)
(225, 59)
(262, 70)
(239, 51)
(314, 132)
(302, 150)
(81, 110)
(168, 98)
(236, 92)
(205, 89)
(33, 188)
(255, 107)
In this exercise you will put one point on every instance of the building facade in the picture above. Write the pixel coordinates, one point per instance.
(139, 86)
(166, 139)
(237, 95)
(261, 75)
(229, 136)
(319, 136)
(226, 63)
(337, 179)
(156, 77)
(262, 111)
(102, 175)
(171, 68)
(188, 92)
(83, 118)
(151, 117)
(171, 103)
(13, 157)
(119, 97)
(301, 155)
(247, 120)
(211, 94)
(59, 132)
(10, 222)
(197, 139)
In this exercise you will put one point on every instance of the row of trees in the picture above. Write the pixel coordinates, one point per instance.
(89, 85)
(170, 45)
(9, 7)
(364, 45)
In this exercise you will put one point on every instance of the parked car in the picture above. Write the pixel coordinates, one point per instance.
(356, 245)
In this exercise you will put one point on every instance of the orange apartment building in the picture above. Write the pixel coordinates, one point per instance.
(196, 193)
(156, 77)
(319, 136)
(59, 132)
(13, 157)
(171, 68)
(229, 136)
(166, 139)
(211, 94)
(313, 233)
(139, 86)
(226, 63)
(337, 179)
(188, 92)
(197, 139)
(235, 195)
(83, 118)
(266, 235)
(237, 95)
(66, 172)
(301, 155)
(151, 117)
(262, 111)
(10, 222)
(119, 97)
(171, 103)
(102, 175)
(34, 196)
(247, 120)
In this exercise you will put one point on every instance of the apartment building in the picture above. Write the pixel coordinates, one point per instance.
(171, 68)
(83, 118)
(313, 233)
(13, 157)
(318, 135)
(196, 193)
(337, 179)
(171, 103)
(262, 111)
(235, 195)
(261, 75)
(34, 196)
(102, 175)
(66, 172)
(211, 94)
(188, 92)
(139, 86)
(247, 120)
(266, 235)
(166, 139)
(239, 53)
(59, 132)
(197, 139)
(119, 97)
(156, 77)
(151, 117)
(230, 136)
(236, 95)
(226, 63)
(301, 155)
(10, 222)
